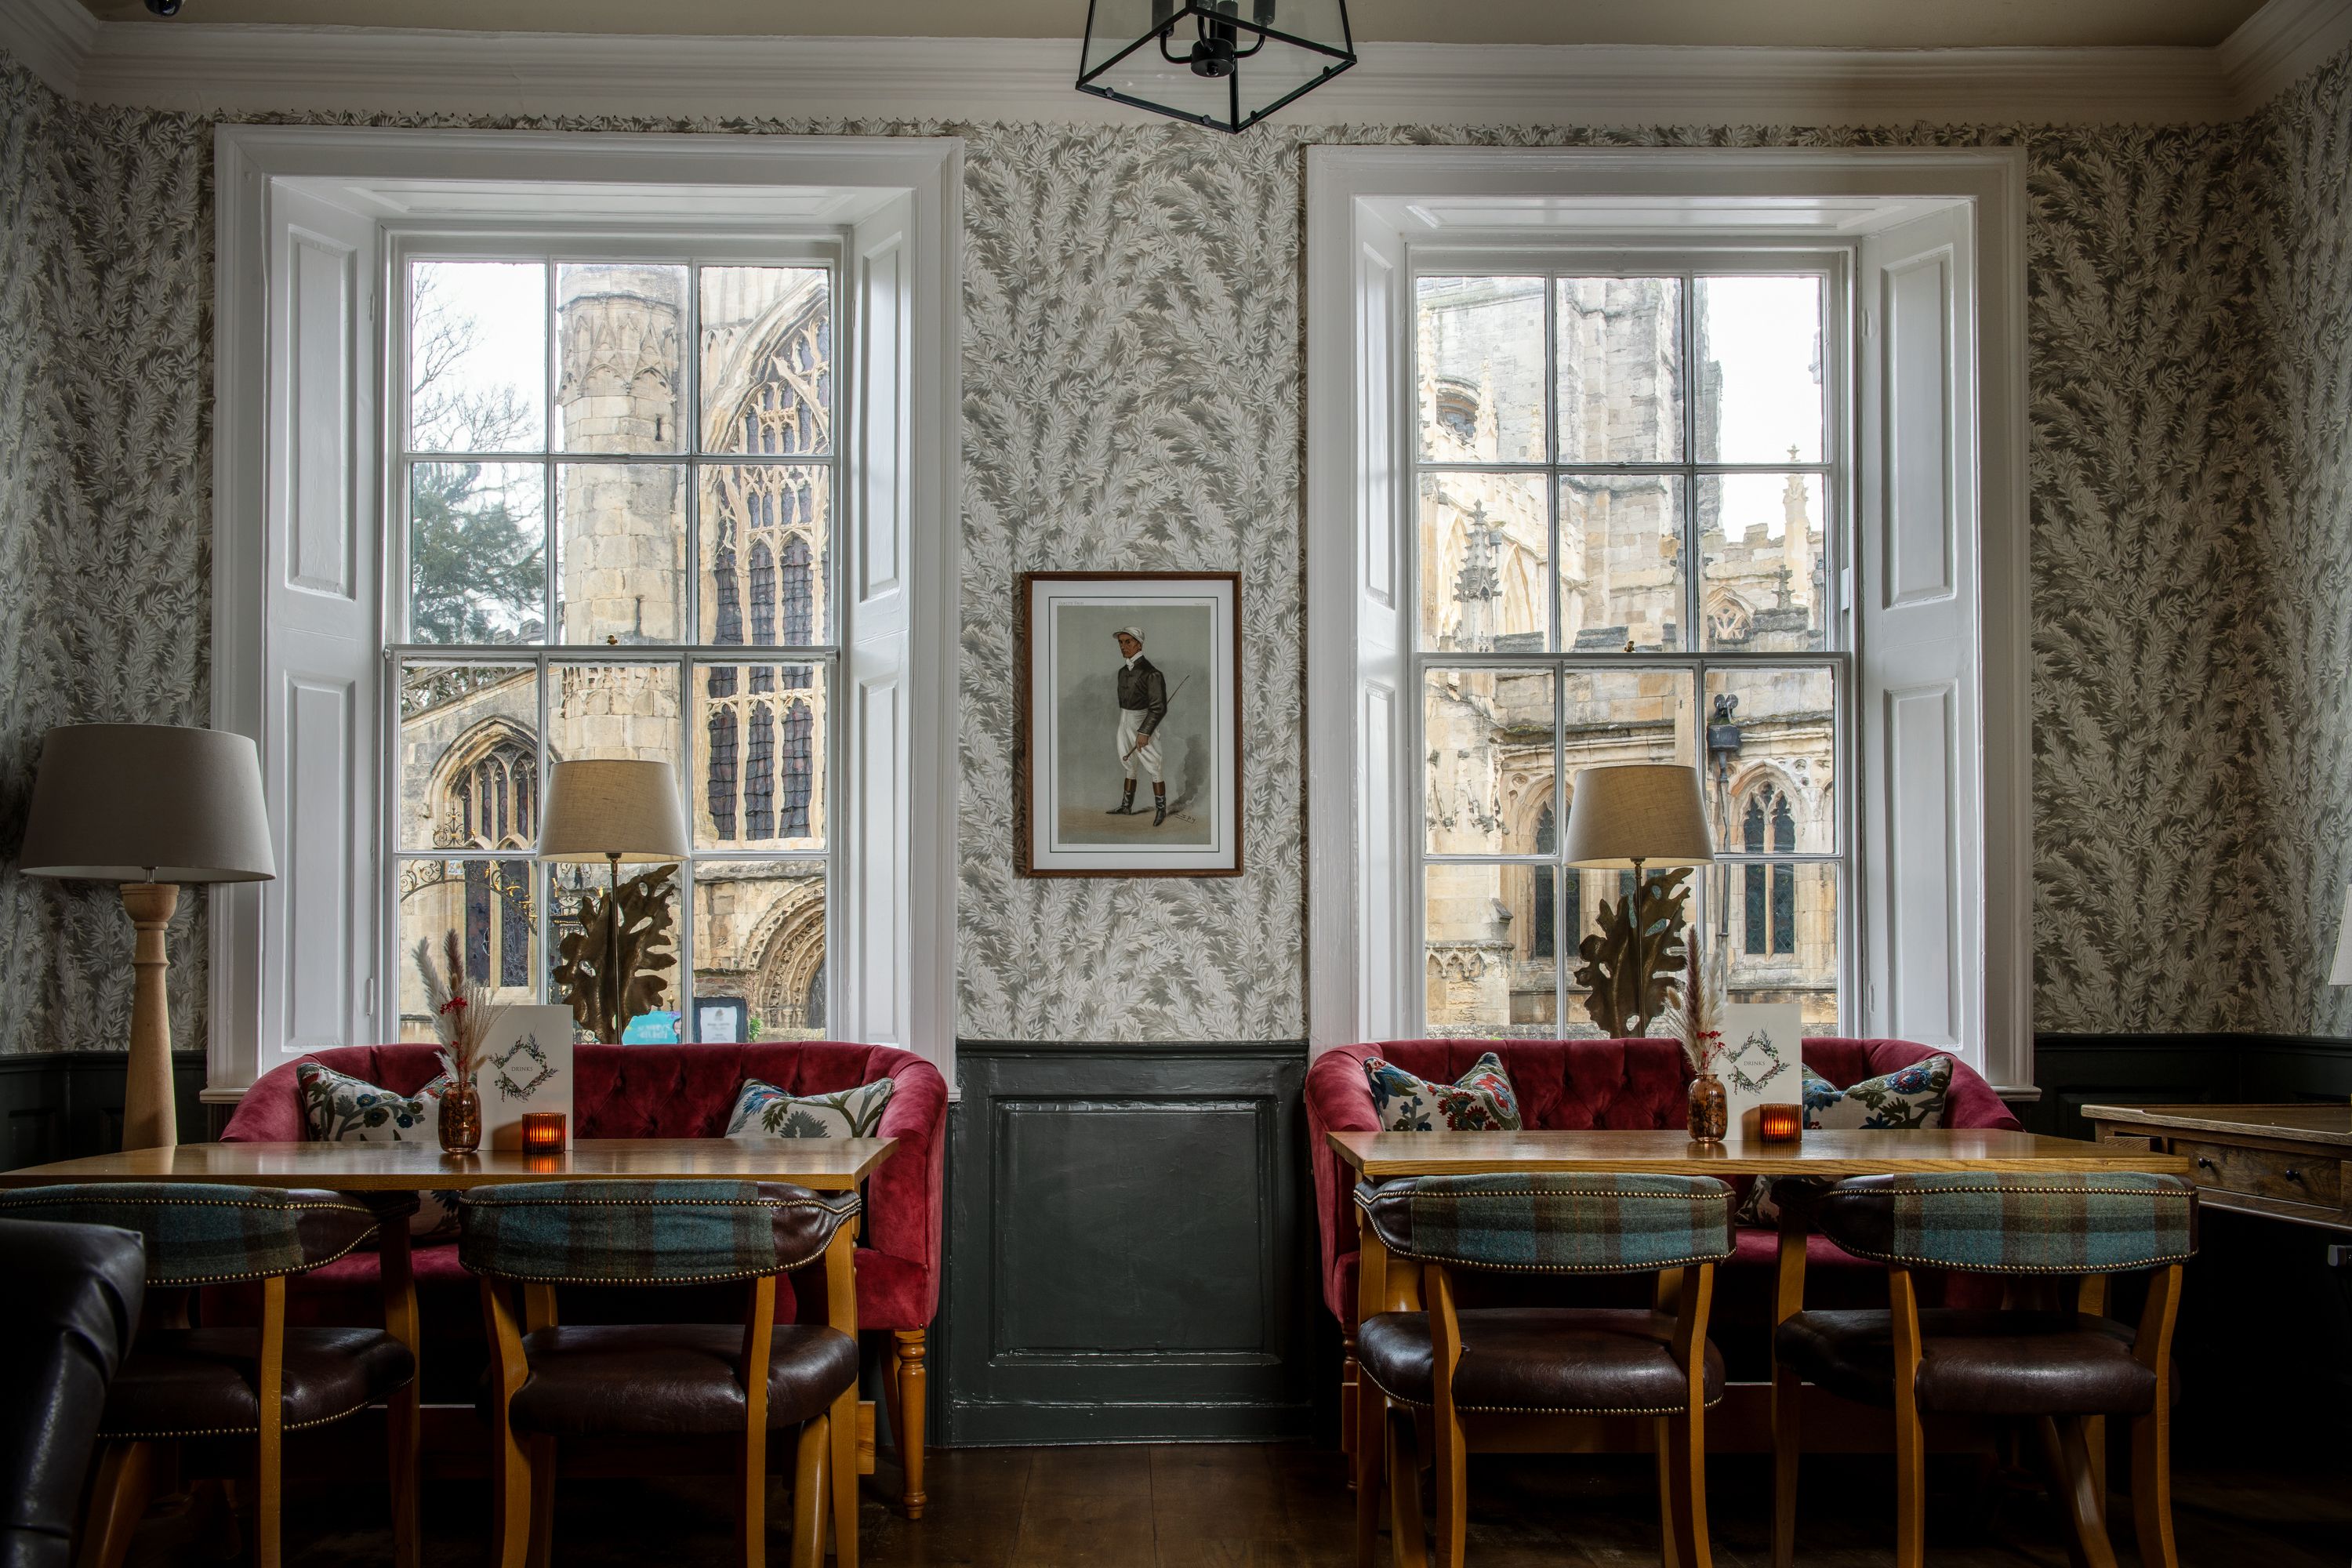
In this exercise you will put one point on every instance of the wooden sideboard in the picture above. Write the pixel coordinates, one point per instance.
(2289, 1161)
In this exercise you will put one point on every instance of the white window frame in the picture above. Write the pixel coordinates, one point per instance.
(407, 245)
(1967, 985)
(1721, 257)
(309, 224)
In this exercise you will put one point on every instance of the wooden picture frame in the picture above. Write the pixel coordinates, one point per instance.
(1089, 778)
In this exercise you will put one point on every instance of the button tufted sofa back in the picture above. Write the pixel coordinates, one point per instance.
(687, 1092)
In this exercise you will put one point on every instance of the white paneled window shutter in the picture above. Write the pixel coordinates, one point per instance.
(314, 707)
(1922, 740)
(876, 921)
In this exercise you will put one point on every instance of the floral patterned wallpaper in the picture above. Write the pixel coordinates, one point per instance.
(2297, 761)
(1133, 398)
(105, 512)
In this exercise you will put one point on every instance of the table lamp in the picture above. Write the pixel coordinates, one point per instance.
(1630, 816)
(149, 806)
(613, 810)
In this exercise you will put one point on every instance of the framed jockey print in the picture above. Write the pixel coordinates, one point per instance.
(1128, 747)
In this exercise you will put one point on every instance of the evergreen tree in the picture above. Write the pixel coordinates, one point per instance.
(476, 555)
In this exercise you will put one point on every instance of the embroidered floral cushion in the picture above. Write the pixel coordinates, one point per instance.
(763, 1111)
(1480, 1101)
(340, 1108)
(1908, 1097)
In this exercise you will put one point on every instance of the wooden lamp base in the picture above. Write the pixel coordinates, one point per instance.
(149, 1117)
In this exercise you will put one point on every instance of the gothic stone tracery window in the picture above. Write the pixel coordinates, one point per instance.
(1767, 826)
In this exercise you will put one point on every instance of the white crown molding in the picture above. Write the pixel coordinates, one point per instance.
(51, 39)
(2280, 43)
(239, 70)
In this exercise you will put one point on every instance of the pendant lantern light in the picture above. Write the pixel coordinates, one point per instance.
(1226, 64)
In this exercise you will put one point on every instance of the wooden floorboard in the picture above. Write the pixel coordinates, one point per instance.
(1211, 1506)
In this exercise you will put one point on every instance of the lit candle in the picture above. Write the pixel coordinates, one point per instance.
(1779, 1123)
(543, 1132)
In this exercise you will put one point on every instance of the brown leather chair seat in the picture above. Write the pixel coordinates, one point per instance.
(204, 1382)
(672, 1378)
(1977, 1363)
(1558, 1360)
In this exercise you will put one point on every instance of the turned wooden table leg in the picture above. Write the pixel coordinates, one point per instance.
(911, 1378)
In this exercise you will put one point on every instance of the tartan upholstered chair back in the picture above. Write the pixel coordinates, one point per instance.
(222, 1381)
(2046, 1361)
(1526, 1378)
(206, 1235)
(551, 1380)
(1554, 1222)
(646, 1233)
(2015, 1223)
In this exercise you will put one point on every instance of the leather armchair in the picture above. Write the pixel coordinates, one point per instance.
(66, 1323)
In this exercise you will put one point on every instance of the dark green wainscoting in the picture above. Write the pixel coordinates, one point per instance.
(61, 1105)
(2075, 1070)
(1129, 1244)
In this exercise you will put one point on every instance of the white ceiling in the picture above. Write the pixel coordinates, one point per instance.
(1834, 23)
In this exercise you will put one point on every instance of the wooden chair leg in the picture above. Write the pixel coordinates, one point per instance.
(510, 1490)
(1788, 1448)
(2152, 1488)
(907, 1416)
(1664, 1442)
(117, 1500)
(1350, 1380)
(1910, 1441)
(1371, 1462)
(270, 1410)
(844, 1462)
(1407, 1545)
(2067, 1459)
(812, 1483)
(2152, 1433)
(403, 1425)
(403, 1417)
(1685, 1441)
(542, 1501)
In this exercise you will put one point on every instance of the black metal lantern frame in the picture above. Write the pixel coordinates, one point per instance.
(1219, 43)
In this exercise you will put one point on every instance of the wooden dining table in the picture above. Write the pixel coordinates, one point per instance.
(820, 1164)
(1832, 1155)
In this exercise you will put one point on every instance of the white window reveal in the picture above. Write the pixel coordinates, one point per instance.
(536, 447)
(1699, 456)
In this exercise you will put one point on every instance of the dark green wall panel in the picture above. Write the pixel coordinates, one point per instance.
(1126, 1245)
(61, 1105)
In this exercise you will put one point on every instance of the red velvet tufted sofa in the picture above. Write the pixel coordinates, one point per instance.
(1573, 1085)
(671, 1092)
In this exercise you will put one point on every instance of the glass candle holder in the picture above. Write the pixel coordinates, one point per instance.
(543, 1132)
(1779, 1123)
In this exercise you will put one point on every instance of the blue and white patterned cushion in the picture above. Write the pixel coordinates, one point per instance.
(763, 1111)
(1910, 1096)
(1480, 1101)
(340, 1108)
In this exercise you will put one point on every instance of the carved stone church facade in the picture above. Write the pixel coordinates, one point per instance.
(1498, 935)
(754, 731)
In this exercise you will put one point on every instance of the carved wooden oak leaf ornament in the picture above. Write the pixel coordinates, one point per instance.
(604, 1004)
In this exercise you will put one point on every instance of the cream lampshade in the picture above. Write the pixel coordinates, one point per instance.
(2340, 971)
(149, 806)
(1637, 814)
(609, 809)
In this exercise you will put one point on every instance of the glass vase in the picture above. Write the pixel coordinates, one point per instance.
(461, 1119)
(1710, 1112)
